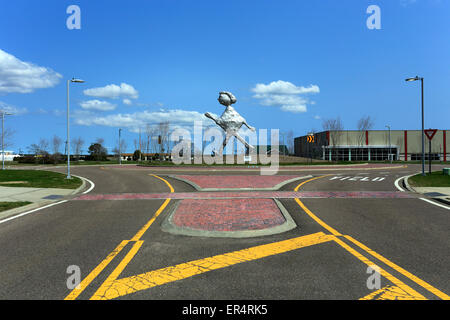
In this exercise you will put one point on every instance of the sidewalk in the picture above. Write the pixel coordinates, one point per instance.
(38, 197)
(11, 194)
(441, 194)
(438, 193)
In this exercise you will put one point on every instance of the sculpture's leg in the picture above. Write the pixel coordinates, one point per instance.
(225, 141)
(248, 146)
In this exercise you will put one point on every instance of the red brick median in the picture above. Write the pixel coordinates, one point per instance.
(228, 215)
(235, 182)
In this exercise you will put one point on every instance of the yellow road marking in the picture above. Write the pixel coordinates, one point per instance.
(296, 188)
(313, 216)
(167, 182)
(399, 284)
(113, 276)
(138, 235)
(388, 293)
(181, 271)
(399, 269)
(94, 273)
(411, 292)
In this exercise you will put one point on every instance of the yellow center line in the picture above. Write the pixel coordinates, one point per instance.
(117, 271)
(141, 232)
(394, 280)
(407, 274)
(116, 288)
(94, 273)
(138, 235)
(167, 182)
(136, 238)
(414, 294)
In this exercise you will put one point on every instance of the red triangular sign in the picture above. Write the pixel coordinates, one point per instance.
(430, 133)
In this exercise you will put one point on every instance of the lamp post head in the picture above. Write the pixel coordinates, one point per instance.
(413, 79)
(77, 80)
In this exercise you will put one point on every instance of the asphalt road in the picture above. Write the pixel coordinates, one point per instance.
(111, 240)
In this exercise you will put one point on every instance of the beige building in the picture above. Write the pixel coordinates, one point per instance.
(372, 145)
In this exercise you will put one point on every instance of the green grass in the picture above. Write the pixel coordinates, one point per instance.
(435, 179)
(37, 179)
(11, 205)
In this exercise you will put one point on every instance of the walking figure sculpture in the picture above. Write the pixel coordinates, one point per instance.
(230, 121)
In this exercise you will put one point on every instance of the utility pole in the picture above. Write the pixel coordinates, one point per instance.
(423, 123)
(120, 151)
(68, 125)
(3, 138)
(390, 148)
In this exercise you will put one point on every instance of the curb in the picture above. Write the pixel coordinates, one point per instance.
(168, 226)
(274, 188)
(83, 185)
(407, 185)
(410, 188)
(35, 205)
(31, 206)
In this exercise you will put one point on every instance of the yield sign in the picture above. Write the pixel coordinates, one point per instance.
(430, 133)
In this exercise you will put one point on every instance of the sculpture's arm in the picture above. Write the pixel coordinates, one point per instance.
(209, 115)
(250, 127)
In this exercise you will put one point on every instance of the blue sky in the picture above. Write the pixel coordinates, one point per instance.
(290, 64)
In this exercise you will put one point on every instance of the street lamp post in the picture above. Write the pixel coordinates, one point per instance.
(68, 131)
(390, 148)
(423, 132)
(120, 151)
(3, 137)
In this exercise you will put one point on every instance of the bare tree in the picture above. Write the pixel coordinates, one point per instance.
(149, 133)
(56, 144)
(163, 131)
(336, 127)
(364, 124)
(43, 146)
(120, 149)
(100, 141)
(290, 141)
(40, 149)
(77, 145)
(7, 138)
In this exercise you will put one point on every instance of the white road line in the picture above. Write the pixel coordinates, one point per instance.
(397, 185)
(31, 211)
(49, 205)
(429, 201)
(92, 184)
(436, 204)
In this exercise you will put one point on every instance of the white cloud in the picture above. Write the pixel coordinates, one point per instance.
(113, 91)
(406, 3)
(133, 121)
(294, 108)
(97, 105)
(24, 77)
(283, 87)
(4, 107)
(317, 117)
(285, 95)
(128, 102)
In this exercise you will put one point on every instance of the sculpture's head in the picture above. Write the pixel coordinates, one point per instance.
(226, 98)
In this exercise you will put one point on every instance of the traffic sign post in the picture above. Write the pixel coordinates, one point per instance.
(310, 139)
(430, 134)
